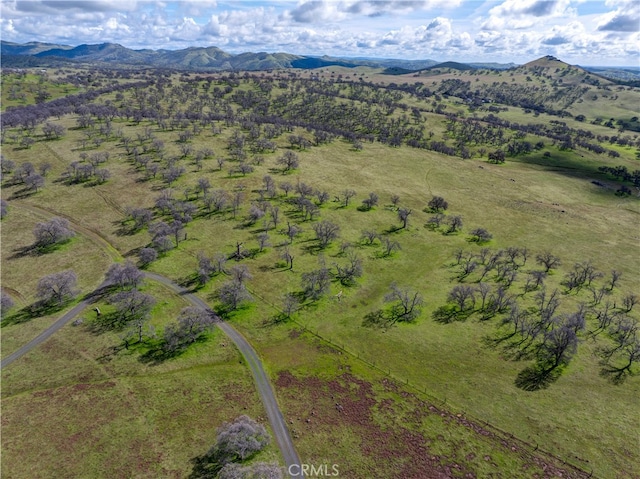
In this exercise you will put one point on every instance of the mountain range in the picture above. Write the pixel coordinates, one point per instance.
(38, 54)
(194, 58)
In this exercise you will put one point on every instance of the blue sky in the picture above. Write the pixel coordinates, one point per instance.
(577, 31)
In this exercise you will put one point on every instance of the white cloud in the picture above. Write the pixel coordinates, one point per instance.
(513, 30)
(318, 11)
(625, 18)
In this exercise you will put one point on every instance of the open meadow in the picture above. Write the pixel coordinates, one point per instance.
(493, 333)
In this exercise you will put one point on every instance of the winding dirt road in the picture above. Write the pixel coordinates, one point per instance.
(47, 333)
(276, 419)
(265, 390)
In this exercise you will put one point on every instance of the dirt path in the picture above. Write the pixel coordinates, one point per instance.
(276, 419)
(265, 390)
(47, 333)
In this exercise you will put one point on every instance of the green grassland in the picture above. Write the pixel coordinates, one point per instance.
(160, 415)
(19, 89)
(543, 203)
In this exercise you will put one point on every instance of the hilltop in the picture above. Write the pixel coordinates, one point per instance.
(193, 58)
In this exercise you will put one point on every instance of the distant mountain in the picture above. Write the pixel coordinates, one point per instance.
(211, 58)
(452, 66)
(629, 74)
(547, 61)
(193, 58)
(105, 52)
(31, 48)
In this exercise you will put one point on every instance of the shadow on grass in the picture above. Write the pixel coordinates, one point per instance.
(106, 322)
(381, 319)
(37, 250)
(158, 354)
(279, 318)
(616, 375)
(536, 377)
(206, 466)
(123, 229)
(393, 229)
(30, 312)
(191, 283)
(449, 313)
(313, 248)
(22, 193)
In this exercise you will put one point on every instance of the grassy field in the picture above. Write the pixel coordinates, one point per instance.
(160, 415)
(18, 90)
(543, 203)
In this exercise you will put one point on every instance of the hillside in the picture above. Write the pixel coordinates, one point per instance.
(436, 268)
(193, 58)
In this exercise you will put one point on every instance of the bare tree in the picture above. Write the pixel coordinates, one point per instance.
(240, 273)
(559, 345)
(535, 280)
(55, 231)
(406, 304)
(239, 441)
(263, 241)
(326, 231)
(232, 294)
(255, 213)
(34, 182)
(403, 215)
(455, 223)
(206, 268)
(293, 230)
(615, 276)
(44, 168)
(216, 201)
(389, 246)
(125, 275)
(236, 202)
(56, 288)
(548, 260)
(290, 304)
(316, 283)
(629, 301)
(133, 308)
(346, 196)
(480, 235)
(287, 256)
(435, 221)
(370, 201)
(463, 296)
(286, 187)
(289, 161)
(349, 272)
(322, 197)
(147, 256)
(369, 236)
(132, 304)
(437, 204)
(274, 212)
(192, 323)
(203, 185)
(141, 217)
(176, 228)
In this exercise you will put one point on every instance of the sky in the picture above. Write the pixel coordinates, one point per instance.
(580, 32)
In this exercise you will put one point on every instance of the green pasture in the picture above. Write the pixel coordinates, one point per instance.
(542, 203)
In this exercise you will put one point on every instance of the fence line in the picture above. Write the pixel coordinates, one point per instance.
(433, 399)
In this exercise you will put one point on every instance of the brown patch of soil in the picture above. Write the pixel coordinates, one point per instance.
(353, 401)
(348, 402)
